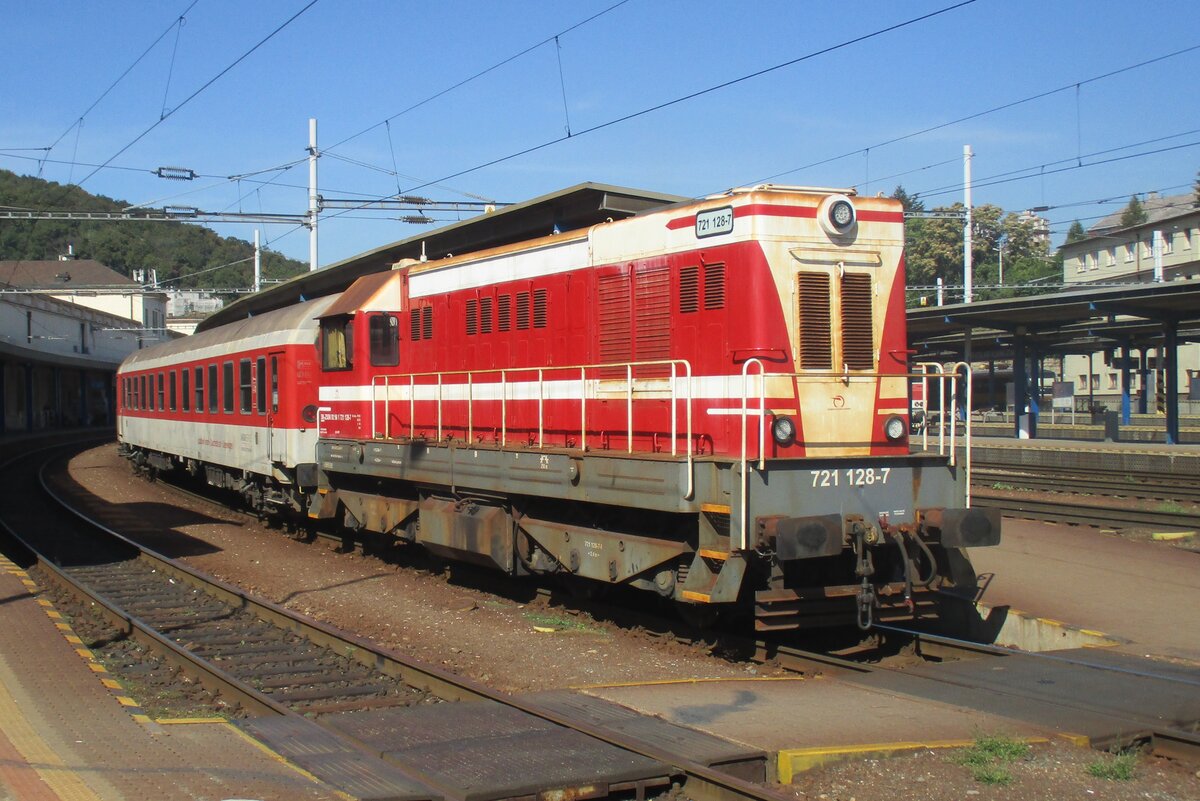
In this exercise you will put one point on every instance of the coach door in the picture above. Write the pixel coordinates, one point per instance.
(276, 427)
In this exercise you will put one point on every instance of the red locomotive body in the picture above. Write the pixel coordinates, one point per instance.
(707, 401)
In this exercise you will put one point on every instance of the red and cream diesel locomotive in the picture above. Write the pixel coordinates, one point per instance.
(708, 401)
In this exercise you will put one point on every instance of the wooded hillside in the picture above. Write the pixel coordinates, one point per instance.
(175, 250)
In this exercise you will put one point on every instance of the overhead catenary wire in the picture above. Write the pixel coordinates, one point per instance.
(204, 86)
(984, 113)
(1013, 175)
(693, 95)
(476, 76)
(121, 77)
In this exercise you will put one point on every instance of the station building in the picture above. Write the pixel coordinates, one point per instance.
(1166, 247)
(65, 326)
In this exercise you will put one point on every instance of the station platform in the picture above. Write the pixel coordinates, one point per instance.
(69, 733)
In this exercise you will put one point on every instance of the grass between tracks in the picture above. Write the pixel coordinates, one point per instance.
(988, 756)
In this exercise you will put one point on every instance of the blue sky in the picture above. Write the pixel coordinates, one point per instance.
(353, 64)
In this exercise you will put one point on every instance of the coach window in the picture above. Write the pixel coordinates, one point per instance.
(141, 395)
(245, 386)
(337, 342)
(227, 387)
(199, 390)
(162, 391)
(171, 397)
(261, 364)
(185, 396)
(212, 389)
(385, 340)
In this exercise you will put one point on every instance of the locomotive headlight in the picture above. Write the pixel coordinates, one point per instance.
(893, 428)
(841, 214)
(837, 215)
(783, 430)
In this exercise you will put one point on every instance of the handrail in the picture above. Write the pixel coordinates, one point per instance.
(743, 522)
(630, 383)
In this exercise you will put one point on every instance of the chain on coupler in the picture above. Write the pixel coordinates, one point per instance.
(864, 568)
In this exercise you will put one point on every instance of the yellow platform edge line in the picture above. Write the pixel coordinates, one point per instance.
(189, 721)
(791, 761)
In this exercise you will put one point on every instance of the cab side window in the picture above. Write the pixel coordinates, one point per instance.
(337, 343)
(384, 330)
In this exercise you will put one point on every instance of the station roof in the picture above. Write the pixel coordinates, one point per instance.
(1081, 320)
(576, 207)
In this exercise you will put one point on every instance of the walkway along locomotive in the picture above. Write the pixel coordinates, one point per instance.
(708, 402)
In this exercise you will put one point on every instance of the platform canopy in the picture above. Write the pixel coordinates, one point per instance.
(1128, 316)
(579, 206)
(1079, 321)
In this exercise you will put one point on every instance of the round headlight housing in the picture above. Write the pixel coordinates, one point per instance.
(894, 428)
(837, 215)
(783, 430)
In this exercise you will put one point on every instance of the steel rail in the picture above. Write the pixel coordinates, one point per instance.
(702, 782)
(1083, 509)
(1157, 487)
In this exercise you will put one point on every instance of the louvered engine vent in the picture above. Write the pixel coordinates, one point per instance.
(858, 346)
(815, 348)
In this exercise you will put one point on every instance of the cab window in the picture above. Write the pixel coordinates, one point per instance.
(384, 330)
(337, 343)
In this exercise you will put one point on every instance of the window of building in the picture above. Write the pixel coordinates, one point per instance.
(1095, 381)
(227, 387)
(1093, 262)
(1147, 249)
(1168, 241)
(245, 386)
(1111, 257)
(384, 333)
(199, 390)
(212, 389)
(1129, 252)
(171, 396)
(1083, 381)
(337, 342)
(1112, 381)
(1186, 236)
(261, 365)
(1081, 265)
(185, 395)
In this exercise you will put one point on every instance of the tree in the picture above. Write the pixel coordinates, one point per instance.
(1134, 214)
(1076, 232)
(175, 250)
(914, 202)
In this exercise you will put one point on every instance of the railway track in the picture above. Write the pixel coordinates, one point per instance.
(1112, 499)
(346, 674)
(290, 671)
